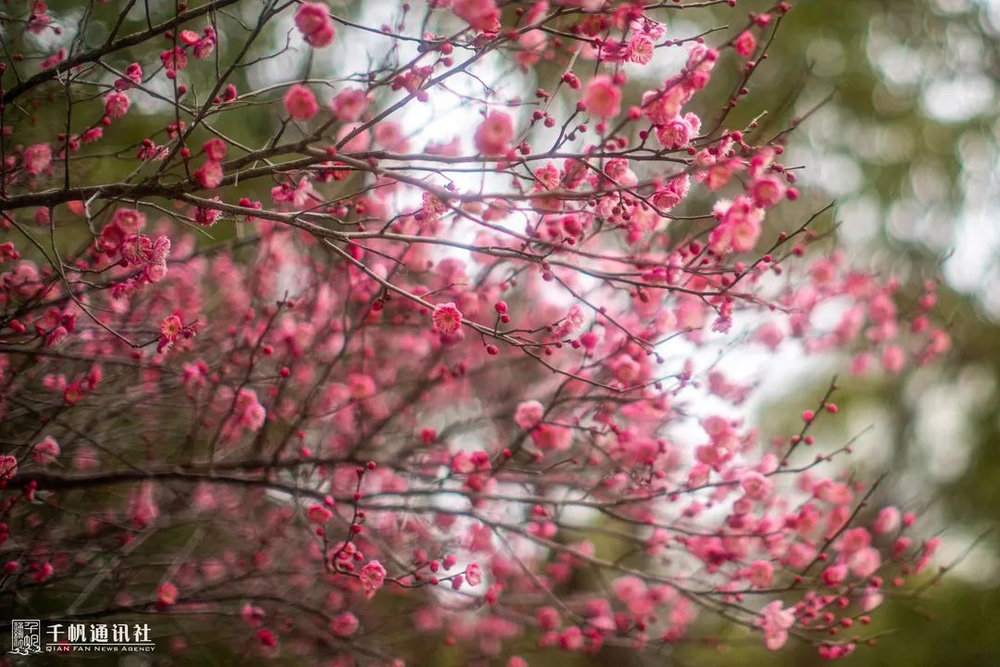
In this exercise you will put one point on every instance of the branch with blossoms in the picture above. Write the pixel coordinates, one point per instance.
(330, 331)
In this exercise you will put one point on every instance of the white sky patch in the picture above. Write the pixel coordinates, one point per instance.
(859, 218)
(977, 242)
(942, 431)
(901, 66)
(971, 564)
(837, 173)
(958, 98)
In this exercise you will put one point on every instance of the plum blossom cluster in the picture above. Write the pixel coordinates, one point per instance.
(359, 382)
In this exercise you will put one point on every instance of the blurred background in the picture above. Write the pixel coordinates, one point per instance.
(907, 147)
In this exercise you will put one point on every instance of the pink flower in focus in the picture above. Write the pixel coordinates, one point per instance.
(768, 191)
(372, 577)
(171, 330)
(602, 97)
(300, 103)
(573, 323)
(447, 318)
(173, 60)
(203, 47)
(640, 50)
(116, 104)
(473, 574)
(745, 44)
(674, 134)
(672, 193)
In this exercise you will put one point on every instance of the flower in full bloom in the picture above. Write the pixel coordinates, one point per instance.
(756, 486)
(482, 15)
(865, 562)
(447, 317)
(640, 50)
(473, 574)
(602, 97)
(888, 520)
(8, 467)
(248, 410)
(761, 573)
(46, 451)
(745, 44)
(493, 135)
(674, 134)
(300, 102)
(116, 104)
(166, 594)
(372, 577)
(215, 149)
(314, 22)
(345, 624)
(574, 322)
(528, 414)
(171, 329)
(209, 175)
(775, 622)
(349, 104)
(37, 158)
(319, 514)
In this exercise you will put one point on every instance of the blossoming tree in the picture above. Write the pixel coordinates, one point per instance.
(446, 352)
